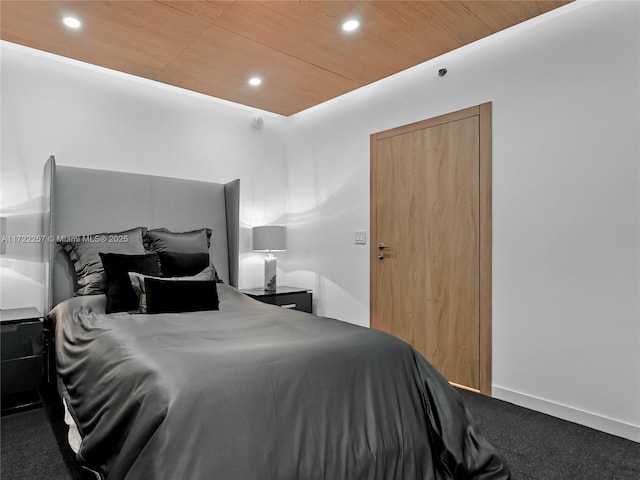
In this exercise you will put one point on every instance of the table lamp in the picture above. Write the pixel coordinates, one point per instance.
(270, 239)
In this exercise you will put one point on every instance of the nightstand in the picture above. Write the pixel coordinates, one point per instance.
(285, 297)
(22, 343)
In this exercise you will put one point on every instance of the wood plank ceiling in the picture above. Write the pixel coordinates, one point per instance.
(296, 47)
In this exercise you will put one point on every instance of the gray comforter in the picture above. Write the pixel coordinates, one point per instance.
(256, 392)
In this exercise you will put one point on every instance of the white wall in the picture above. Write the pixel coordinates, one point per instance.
(565, 89)
(96, 118)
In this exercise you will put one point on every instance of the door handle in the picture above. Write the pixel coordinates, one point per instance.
(382, 246)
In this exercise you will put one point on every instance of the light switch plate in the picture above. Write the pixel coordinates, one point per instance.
(361, 237)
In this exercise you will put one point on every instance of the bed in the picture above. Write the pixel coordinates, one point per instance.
(234, 388)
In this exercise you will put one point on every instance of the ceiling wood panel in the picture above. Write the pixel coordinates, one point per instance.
(497, 13)
(297, 47)
(208, 11)
(223, 61)
(311, 31)
(134, 37)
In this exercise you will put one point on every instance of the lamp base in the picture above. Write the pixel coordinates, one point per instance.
(270, 262)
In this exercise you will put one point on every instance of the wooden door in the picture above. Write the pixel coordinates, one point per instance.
(430, 210)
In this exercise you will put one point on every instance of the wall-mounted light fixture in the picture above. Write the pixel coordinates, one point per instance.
(270, 239)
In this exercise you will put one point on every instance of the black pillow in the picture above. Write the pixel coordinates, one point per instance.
(120, 294)
(177, 264)
(172, 296)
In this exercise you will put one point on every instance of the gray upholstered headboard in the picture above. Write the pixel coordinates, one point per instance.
(83, 201)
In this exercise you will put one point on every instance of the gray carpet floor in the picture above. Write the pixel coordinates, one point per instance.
(534, 445)
(29, 448)
(32, 448)
(540, 447)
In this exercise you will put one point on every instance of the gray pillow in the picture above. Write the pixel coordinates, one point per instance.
(194, 241)
(84, 250)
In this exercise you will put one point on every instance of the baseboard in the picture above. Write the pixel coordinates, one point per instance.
(572, 414)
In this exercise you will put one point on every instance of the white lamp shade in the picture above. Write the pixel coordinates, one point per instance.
(270, 238)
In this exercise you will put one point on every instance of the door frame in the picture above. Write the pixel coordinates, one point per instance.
(483, 112)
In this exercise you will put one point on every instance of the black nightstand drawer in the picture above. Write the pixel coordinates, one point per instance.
(296, 301)
(286, 297)
(21, 340)
(21, 375)
(22, 366)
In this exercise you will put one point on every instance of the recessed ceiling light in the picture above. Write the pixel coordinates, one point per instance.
(350, 25)
(255, 81)
(72, 22)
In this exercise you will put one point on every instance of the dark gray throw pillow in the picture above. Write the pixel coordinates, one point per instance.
(173, 296)
(83, 251)
(120, 294)
(194, 241)
(176, 264)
